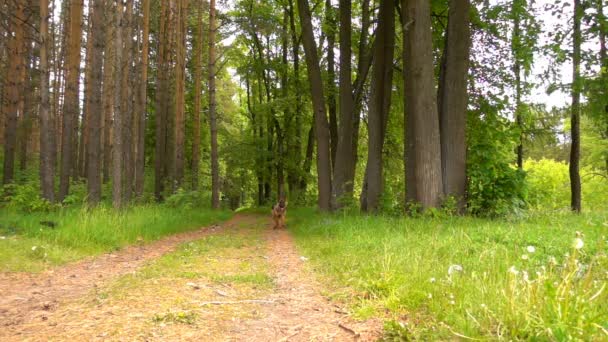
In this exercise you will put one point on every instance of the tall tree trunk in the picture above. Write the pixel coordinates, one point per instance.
(95, 117)
(380, 103)
(71, 107)
(294, 176)
(142, 102)
(27, 87)
(604, 65)
(13, 85)
(575, 177)
(180, 85)
(47, 168)
(84, 129)
(162, 99)
(108, 89)
(344, 168)
(452, 102)
(127, 102)
(423, 146)
(215, 172)
(118, 147)
(318, 99)
(330, 23)
(515, 48)
(196, 118)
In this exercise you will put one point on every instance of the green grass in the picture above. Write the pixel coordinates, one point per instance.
(26, 245)
(400, 269)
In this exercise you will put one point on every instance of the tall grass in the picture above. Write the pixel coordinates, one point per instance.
(461, 277)
(28, 245)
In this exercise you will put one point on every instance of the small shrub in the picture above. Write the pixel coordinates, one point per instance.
(26, 197)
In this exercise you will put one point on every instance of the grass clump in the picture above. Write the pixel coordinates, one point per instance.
(70, 233)
(459, 277)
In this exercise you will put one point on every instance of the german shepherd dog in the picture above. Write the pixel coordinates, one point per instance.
(279, 211)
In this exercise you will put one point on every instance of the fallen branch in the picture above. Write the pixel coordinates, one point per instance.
(247, 301)
(349, 329)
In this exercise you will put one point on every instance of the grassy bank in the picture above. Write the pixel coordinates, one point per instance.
(458, 277)
(72, 233)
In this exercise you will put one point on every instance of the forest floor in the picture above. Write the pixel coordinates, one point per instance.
(234, 282)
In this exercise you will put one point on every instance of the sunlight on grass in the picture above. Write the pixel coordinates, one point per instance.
(441, 278)
(71, 234)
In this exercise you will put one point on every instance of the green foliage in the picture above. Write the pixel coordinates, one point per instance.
(495, 187)
(176, 317)
(458, 277)
(25, 197)
(188, 200)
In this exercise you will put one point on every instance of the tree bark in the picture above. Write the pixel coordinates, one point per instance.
(127, 93)
(380, 102)
(344, 168)
(84, 128)
(71, 107)
(452, 102)
(198, 60)
(162, 99)
(93, 149)
(575, 177)
(118, 147)
(215, 172)
(330, 23)
(142, 102)
(423, 146)
(180, 85)
(47, 167)
(320, 116)
(13, 85)
(108, 89)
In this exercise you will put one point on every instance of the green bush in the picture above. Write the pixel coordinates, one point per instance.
(549, 186)
(25, 197)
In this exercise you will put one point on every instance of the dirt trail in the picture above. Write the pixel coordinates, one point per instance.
(25, 296)
(303, 314)
(55, 305)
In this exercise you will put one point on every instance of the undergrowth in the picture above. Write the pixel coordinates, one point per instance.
(541, 278)
(36, 240)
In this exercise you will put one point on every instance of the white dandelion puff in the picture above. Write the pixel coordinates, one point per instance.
(531, 249)
(34, 248)
(513, 270)
(454, 268)
(524, 257)
(432, 280)
(578, 243)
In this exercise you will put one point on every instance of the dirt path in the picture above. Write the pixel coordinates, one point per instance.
(216, 295)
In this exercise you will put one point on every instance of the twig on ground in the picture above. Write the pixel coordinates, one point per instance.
(348, 329)
(247, 301)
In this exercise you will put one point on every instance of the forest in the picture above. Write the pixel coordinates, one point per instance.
(144, 144)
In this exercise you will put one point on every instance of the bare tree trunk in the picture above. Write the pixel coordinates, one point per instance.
(94, 106)
(215, 172)
(423, 146)
(162, 98)
(198, 60)
(118, 148)
(344, 167)
(180, 85)
(575, 177)
(318, 99)
(142, 102)
(47, 168)
(71, 106)
(294, 177)
(27, 87)
(128, 147)
(13, 85)
(452, 102)
(330, 23)
(380, 102)
(108, 89)
(84, 129)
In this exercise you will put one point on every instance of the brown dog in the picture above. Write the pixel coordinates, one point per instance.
(279, 211)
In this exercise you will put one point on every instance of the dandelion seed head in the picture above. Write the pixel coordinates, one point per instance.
(531, 249)
(524, 257)
(454, 268)
(452, 302)
(578, 243)
(34, 248)
(432, 280)
(513, 270)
